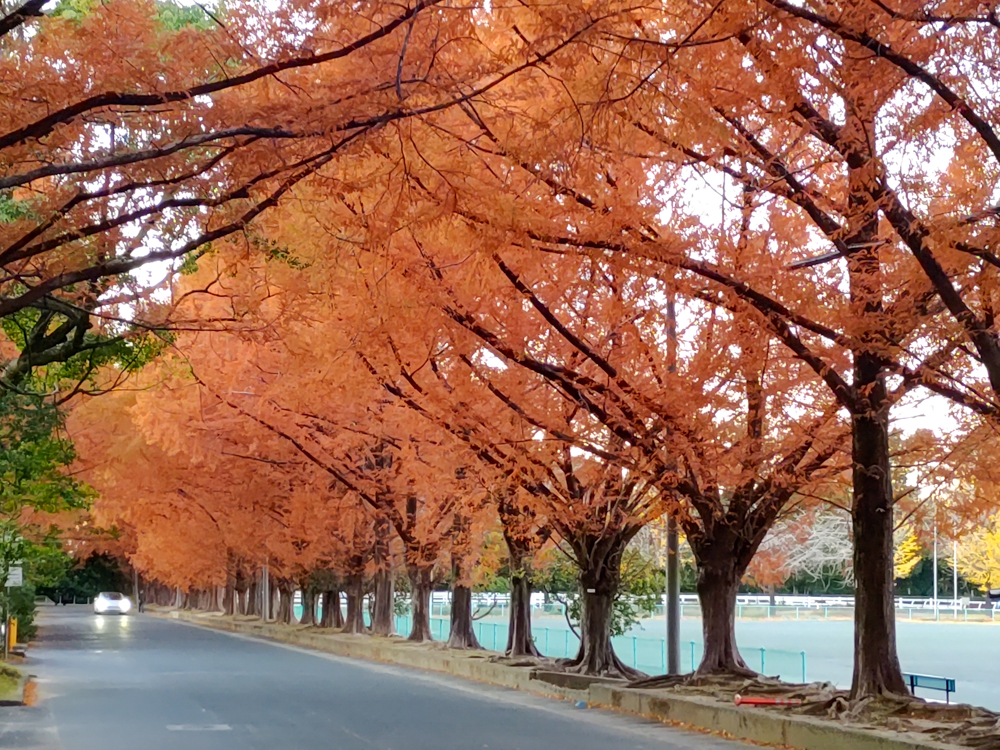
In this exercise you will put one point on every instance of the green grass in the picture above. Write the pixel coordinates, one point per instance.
(10, 678)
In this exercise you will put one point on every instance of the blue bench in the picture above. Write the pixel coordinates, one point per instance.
(929, 682)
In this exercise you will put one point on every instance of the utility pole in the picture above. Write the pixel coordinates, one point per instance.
(673, 592)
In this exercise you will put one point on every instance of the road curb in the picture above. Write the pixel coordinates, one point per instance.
(705, 714)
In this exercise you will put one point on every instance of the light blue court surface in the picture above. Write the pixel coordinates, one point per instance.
(813, 649)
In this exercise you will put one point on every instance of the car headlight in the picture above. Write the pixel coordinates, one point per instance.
(126, 605)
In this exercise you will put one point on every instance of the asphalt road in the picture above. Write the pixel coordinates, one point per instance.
(140, 682)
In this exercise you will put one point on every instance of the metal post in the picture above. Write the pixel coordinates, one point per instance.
(954, 570)
(673, 599)
(935, 573)
(265, 592)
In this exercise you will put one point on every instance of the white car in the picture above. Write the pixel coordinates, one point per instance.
(111, 602)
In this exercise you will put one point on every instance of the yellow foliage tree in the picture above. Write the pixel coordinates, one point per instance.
(979, 556)
(906, 556)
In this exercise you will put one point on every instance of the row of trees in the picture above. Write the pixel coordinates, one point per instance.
(567, 268)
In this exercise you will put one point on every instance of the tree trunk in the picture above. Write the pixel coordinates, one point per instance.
(462, 634)
(876, 663)
(598, 586)
(421, 583)
(384, 617)
(519, 639)
(717, 586)
(332, 612)
(330, 606)
(596, 655)
(355, 622)
(308, 607)
(287, 594)
(242, 595)
(229, 599)
(250, 600)
(274, 605)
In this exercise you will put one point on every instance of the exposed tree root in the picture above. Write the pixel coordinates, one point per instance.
(613, 668)
(956, 724)
(540, 662)
(696, 679)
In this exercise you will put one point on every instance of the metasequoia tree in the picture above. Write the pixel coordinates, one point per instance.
(524, 533)
(605, 432)
(726, 479)
(272, 386)
(820, 237)
(824, 112)
(798, 178)
(919, 77)
(200, 504)
(139, 132)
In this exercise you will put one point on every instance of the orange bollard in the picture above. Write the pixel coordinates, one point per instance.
(740, 700)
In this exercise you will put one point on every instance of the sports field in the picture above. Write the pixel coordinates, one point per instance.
(968, 652)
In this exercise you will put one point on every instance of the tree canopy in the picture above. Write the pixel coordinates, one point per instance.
(387, 279)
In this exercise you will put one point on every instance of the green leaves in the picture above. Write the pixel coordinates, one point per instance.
(74, 10)
(11, 210)
(637, 595)
(60, 352)
(33, 455)
(175, 17)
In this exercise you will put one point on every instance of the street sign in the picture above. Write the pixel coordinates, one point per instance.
(15, 576)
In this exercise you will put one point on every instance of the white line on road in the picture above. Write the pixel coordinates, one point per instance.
(198, 728)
